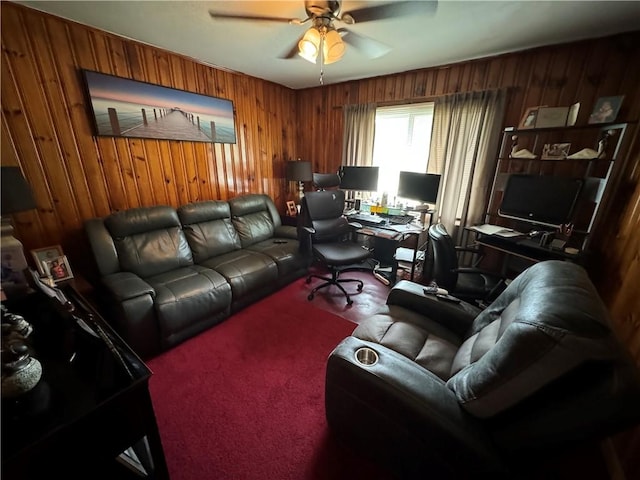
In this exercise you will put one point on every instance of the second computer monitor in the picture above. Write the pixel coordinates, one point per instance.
(421, 187)
(364, 179)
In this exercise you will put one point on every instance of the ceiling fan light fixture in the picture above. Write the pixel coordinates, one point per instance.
(333, 47)
(309, 45)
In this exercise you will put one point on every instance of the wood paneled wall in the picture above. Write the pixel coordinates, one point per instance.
(46, 131)
(559, 75)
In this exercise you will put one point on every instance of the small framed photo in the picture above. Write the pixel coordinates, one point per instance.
(529, 118)
(549, 117)
(555, 151)
(46, 254)
(58, 269)
(292, 211)
(606, 109)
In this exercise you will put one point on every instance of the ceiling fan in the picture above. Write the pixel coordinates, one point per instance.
(323, 40)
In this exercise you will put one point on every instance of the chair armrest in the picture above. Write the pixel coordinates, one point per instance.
(126, 285)
(457, 317)
(397, 399)
(477, 270)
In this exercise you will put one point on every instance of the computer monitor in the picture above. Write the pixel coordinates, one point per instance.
(541, 199)
(422, 187)
(363, 179)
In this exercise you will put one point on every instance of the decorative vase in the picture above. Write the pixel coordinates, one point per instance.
(20, 371)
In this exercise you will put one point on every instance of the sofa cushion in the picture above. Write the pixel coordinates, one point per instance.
(246, 271)
(525, 340)
(208, 229)
(186, 295)
(284, 251)
(413, 335)
(254, 218)
(149, 240)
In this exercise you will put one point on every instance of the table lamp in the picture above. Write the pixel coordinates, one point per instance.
(299, 171)
(16, 197)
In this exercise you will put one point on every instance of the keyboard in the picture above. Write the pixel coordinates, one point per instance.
(400, 219)
(367, 219)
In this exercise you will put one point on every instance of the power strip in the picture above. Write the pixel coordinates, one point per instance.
(381, 278)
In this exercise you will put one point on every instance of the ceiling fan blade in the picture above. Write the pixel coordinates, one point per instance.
(230, 16)
(390, 10)
(370, 47)
(293, 51)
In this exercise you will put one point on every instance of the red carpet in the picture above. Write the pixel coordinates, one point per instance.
(245, 399)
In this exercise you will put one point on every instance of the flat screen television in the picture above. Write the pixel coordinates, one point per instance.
(359, 178)
(422, 187)
(541, 199)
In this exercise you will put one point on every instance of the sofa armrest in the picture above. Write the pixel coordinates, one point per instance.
(458, 317)
(132, 312)
(126, 285)
(400, 409)
(286, 231)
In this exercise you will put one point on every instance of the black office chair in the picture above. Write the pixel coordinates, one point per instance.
(330, 238)
(471, 284)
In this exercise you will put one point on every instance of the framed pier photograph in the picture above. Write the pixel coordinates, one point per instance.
(121, 107)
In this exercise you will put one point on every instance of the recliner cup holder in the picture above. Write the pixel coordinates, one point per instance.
(366, 356)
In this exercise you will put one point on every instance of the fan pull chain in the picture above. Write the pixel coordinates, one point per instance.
(322, 34)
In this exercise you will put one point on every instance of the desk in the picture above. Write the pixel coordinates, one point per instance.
(522, 247)
(387, 241)
(88, 407)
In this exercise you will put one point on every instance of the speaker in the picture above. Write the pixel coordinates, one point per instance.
(358, 202)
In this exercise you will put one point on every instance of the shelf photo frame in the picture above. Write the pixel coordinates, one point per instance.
(58, 269)
(549, 117)
(46, 254)
(529, 118)
(555, 151)
(606, 109)
(292, 210)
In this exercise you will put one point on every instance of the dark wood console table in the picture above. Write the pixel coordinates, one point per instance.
(92, 403)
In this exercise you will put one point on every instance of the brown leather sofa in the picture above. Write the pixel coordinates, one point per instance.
(168, 274)
(442, 390)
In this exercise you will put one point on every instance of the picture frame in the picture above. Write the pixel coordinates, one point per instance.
(572, 117)
(58, 268)
(121, 107)
(529, 118)
(606, 109)
(550, 117)
(555, 151)
(47, 253)
(292, 210)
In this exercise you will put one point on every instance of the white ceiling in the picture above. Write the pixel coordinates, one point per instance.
(457, 31)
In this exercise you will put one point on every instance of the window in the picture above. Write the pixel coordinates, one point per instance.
(402, 140)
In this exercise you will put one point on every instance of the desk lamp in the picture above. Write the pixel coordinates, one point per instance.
(299, 171)
(16, 197)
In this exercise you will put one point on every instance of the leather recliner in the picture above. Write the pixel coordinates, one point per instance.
(444, 390)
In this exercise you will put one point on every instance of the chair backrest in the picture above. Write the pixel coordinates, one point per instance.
(322, 181)
(445, 259)
(322, 210)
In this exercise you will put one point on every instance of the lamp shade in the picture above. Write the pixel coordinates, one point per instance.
(299, 171)
(309, 45)
(333, 47)
(16, 193)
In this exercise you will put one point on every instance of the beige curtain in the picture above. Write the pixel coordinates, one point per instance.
(359, 130)
(464, 143)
